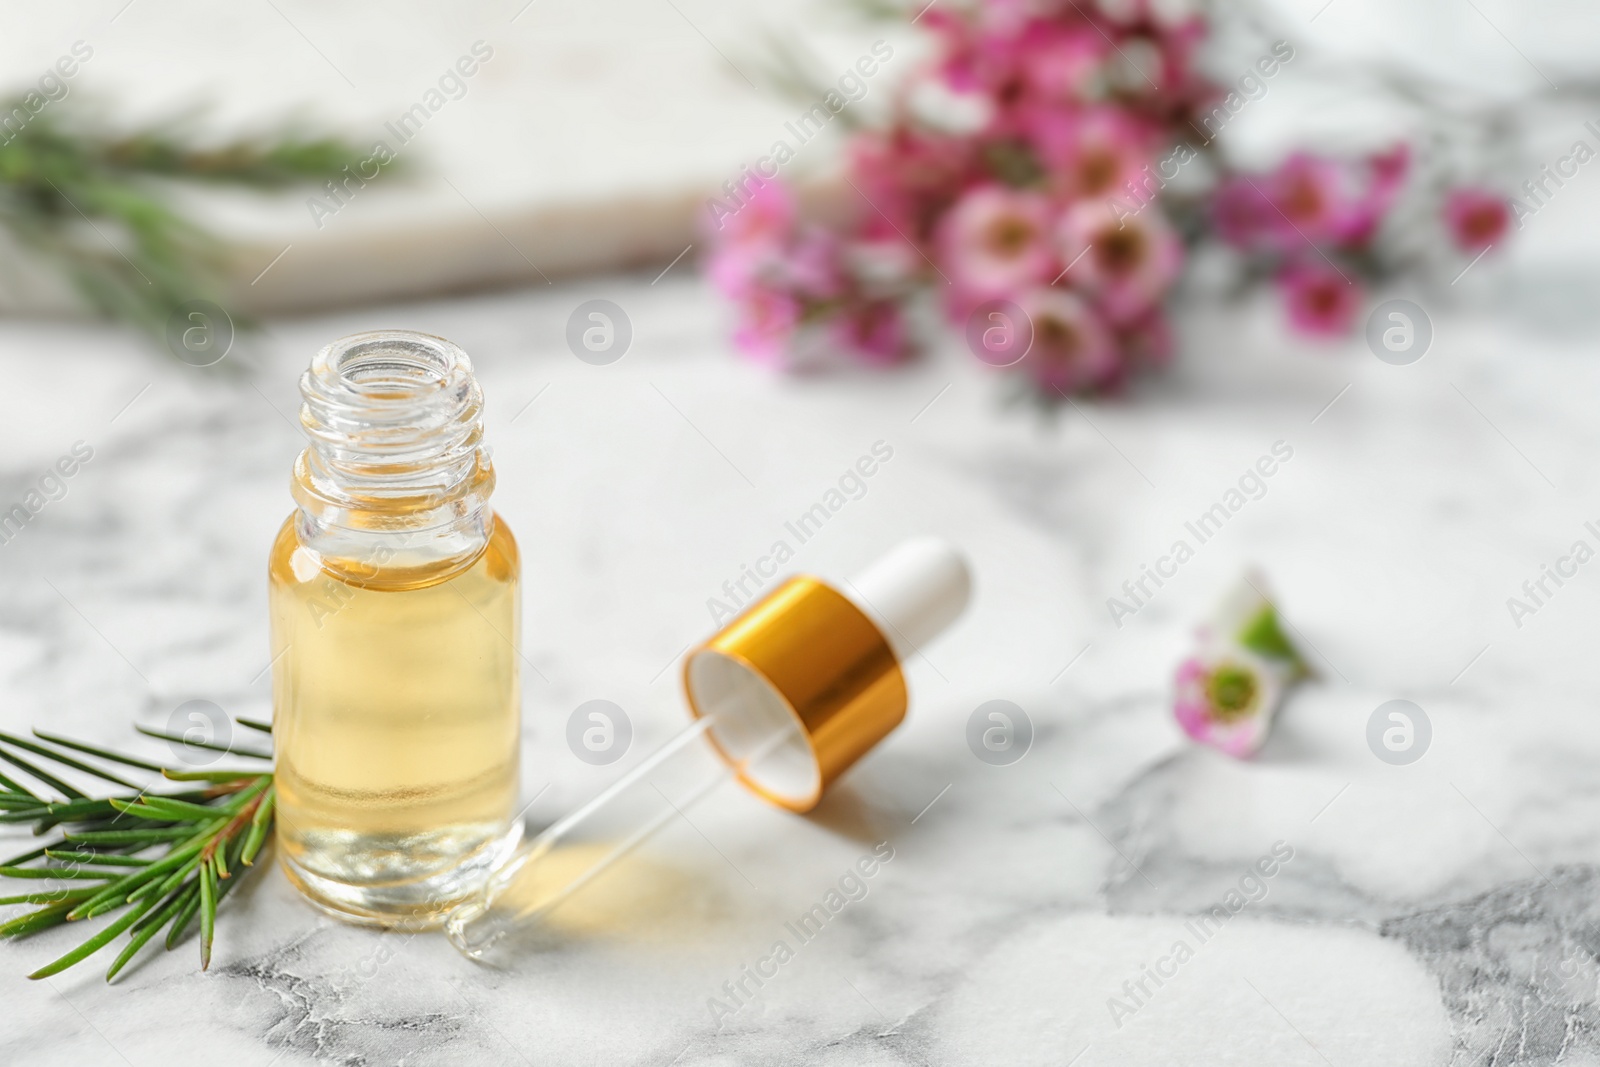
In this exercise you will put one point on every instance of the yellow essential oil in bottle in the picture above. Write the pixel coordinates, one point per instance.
(395, 629)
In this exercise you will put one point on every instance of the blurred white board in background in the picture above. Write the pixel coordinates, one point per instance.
(586, 136)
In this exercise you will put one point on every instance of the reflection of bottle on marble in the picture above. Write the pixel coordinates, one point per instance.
(395, 629)
(790, 695)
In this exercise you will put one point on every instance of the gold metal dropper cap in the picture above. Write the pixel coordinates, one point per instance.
(804, 665)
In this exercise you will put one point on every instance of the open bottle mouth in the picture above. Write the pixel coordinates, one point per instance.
(389, 365)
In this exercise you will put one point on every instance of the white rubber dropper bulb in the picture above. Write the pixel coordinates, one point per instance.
(913, 592)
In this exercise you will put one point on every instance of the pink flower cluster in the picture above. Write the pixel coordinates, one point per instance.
(1032, 208)
(1073, 102)
(803, 292)
(1311, 220)
(1090, 284)
(1019, 166)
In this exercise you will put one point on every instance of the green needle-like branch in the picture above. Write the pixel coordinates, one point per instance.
(96, 204)
(115, 757)
(164, 736)
(67, 761)
(154, 860)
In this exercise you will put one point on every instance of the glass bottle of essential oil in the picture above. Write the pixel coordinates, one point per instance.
(395, 630)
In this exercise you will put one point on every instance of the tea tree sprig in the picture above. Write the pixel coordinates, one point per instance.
(160, 859)
(95, 203)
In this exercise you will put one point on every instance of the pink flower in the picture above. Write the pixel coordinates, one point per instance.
(1364, 212)
(1092, 153)
(997, 240)
(733, 269)
(873, 330)
(1320, 301)
(1072, 351)
(1180, 37)
(910, 179)
(1390, 168)
(1310, 199)
(767, 322)
(1477, 218)
(1147, 342)
(1155, 69)
(959, 62)
(807, 264)
(1241, 212)
(751, 238)
(1127, 262)
(811, 266)
(1060, 60)
(1228, 693)
(1227, 697)
(766, 215)
(995, 48)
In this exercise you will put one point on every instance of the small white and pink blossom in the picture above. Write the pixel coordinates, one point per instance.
(996, 241)
(1072, 350)
(1127, 261)
(1228, 693)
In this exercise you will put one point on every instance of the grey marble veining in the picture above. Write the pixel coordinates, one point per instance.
(1516, 967)
(1437, 913)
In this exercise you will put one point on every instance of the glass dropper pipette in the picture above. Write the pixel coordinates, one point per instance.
(516, 898)
(789, 695)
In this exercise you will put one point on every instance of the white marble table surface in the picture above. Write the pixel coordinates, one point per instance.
(1438, 913)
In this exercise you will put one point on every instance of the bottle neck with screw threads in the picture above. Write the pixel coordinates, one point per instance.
(393, 487)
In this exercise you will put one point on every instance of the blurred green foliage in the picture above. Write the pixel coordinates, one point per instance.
(100, 207)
